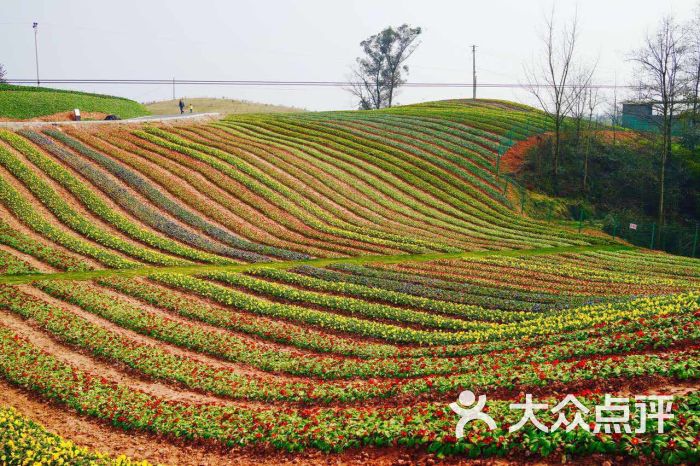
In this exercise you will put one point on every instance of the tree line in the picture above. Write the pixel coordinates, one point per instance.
(667, 77)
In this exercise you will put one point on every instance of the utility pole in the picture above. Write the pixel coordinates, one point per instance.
(35, 26)
(173, 87)
(474, 72)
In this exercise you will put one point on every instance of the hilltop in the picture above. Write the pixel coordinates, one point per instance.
(220, 105)
(25, 102)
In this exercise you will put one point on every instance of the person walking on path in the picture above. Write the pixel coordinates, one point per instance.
(191, 108)
(182, 107)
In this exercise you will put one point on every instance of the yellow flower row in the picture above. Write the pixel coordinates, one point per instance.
(23, 442)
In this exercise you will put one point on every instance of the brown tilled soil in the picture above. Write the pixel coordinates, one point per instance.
(515, 156)
(513, 159)
(354, 196)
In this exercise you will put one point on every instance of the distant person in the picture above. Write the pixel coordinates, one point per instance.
(191, 108)
(182, 107)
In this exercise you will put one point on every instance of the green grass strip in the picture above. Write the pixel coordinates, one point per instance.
(240, 268)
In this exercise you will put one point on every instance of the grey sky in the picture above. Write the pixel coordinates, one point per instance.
(306, 40)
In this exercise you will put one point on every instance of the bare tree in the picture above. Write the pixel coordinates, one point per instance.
(592, 101)
(550, 81)
(2, 73)
(579, 94)
(614, 113)
(693, 68)
(381, 71)
(661, 61)
(366, 85)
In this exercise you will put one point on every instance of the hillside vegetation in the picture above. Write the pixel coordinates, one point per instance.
(325, 356)
(24, 102)
(614, 177)
(224, 106)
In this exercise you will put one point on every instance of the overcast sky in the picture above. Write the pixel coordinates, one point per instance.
(308, 40)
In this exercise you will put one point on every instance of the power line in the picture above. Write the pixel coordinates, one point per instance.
(289, 83)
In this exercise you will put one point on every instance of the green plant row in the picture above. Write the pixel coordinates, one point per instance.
(428, 426)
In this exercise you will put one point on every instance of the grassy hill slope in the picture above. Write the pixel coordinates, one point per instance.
(24, 102)
(325, 355)
(225, 106)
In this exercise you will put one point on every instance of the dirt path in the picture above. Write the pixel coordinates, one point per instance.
(60, 121)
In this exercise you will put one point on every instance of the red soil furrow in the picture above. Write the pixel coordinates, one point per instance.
(395, 135)
(455, 203)
(96, 435)
(45, 343)
(308, 192)
(49, 217)
(15, 224)
(395, 180)
(636, 384)
(141, 198)
(256, 340)
(112, 206)
(559, 278)
(416, 223)
(397, 183)
(27, 259)
(386, 302)
(392, 221)
(528, 279)
(477, 139)
(444, 135)
(476, 203)
(268, 345)
(78, 206)
(144, 201)
(265, 208)
(513, 158)
(521, 281)
(260, 376)
(341, 194)
(273, 299)
(286, 178)
(609, 265)
(99, 436)
(460, 126)
(437, 288)
(211, 361)
(272, 232)
(221, 218)
(171, 316)
(326, 331)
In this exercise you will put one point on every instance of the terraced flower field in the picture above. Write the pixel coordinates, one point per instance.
(268, 287)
